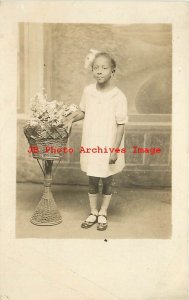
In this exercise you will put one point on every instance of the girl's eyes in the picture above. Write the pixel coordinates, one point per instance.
(105, 68)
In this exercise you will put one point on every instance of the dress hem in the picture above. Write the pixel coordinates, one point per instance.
(118, 171)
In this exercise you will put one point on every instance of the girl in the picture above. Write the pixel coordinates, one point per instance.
(104, 110)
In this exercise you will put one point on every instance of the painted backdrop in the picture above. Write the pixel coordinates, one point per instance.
(52, 56)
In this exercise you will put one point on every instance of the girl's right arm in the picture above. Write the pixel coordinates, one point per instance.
(73, 117)
(80, 116)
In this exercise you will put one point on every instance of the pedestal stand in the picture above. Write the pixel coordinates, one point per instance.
(46, 212)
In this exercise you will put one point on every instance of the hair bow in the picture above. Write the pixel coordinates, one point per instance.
(90, 57)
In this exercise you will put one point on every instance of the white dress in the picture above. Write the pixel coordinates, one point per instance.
(103, 111)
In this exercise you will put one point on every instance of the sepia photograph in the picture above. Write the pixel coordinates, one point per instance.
(94, 126)
(94, 150)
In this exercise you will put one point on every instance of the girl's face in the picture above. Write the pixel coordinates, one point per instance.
(102, 69)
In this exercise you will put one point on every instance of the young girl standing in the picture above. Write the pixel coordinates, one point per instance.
(104, 110)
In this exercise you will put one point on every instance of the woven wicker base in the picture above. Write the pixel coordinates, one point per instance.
(46, 212)
(45, 224)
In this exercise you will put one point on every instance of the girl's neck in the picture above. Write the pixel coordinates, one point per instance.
(104, 87)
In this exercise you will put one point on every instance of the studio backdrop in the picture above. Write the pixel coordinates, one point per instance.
(51, 56)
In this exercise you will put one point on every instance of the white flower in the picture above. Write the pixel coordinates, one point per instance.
(49, 112)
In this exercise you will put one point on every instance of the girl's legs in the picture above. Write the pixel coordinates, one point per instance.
(106, 197)
(107, 185)
(93, 195)
(93, 184)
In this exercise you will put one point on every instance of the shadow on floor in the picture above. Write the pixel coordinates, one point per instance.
(133, 213)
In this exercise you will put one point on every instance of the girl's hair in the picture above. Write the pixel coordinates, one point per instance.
(107, 55)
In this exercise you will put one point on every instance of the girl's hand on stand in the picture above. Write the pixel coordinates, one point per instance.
(68, 125)
(113, 158)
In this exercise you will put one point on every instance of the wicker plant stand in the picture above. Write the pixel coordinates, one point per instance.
(46, 212)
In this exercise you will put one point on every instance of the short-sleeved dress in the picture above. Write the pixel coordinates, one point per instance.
(103, 111)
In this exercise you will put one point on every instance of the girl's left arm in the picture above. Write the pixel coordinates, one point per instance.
(119, 136)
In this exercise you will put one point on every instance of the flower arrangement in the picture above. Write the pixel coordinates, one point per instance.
(46, 126)
(51, 113)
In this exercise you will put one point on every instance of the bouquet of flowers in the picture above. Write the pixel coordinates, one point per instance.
(46, 126)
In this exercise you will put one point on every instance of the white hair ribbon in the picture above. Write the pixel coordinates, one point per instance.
(90, 57)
